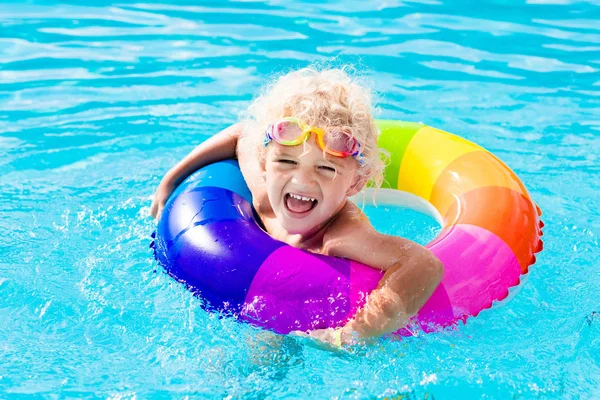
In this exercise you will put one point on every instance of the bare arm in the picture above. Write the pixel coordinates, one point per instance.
(407, 284)
(219, 147)
(411, 274)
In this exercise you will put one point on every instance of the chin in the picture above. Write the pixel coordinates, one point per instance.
(294, 227)
(299, 226)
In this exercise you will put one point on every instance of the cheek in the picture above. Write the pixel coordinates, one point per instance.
(274, 181)
(270, 172)
(337, 190)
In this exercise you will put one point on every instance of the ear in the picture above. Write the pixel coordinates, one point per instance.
(357, 185)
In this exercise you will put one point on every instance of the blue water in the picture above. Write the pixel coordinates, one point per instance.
(99, 100)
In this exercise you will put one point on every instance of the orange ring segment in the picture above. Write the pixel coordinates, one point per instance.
(507, 213)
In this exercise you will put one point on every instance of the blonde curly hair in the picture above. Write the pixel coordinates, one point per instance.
(319, 97)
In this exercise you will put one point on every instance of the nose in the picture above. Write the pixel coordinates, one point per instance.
(303, 177)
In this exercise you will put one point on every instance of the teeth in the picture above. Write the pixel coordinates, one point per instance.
(301, 197)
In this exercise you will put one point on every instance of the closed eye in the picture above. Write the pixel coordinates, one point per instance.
(284, 161)
(327, 168)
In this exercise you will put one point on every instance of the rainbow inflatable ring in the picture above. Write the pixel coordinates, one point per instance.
(208, 238)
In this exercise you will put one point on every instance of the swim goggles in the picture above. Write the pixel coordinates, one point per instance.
(291, 131)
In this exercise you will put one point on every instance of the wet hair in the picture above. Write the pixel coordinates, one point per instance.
(324, 98)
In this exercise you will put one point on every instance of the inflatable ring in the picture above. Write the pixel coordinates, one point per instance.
(208, 238)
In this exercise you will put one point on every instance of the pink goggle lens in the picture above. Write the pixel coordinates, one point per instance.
(340, 141)
(287, 131)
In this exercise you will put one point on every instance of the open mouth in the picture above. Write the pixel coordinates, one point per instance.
(299, 204)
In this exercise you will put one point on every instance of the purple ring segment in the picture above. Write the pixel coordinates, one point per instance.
(298, 290)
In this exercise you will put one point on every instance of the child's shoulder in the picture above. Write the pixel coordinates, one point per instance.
(349, 226)
(351, 213)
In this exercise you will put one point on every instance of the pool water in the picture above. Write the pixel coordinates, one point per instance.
(99, 100)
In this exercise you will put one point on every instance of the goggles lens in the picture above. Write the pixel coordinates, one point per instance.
(287, 131)
(340, 141)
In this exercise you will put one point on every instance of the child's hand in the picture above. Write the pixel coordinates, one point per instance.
(160, 198)
(383, 312)
(330, 337)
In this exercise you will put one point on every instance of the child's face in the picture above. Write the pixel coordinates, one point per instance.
(305, 171)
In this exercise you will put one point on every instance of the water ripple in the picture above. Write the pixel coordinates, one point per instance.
(250, 32)
(497, 28)
(453, 50)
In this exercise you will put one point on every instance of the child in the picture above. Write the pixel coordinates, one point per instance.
(309, 142)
